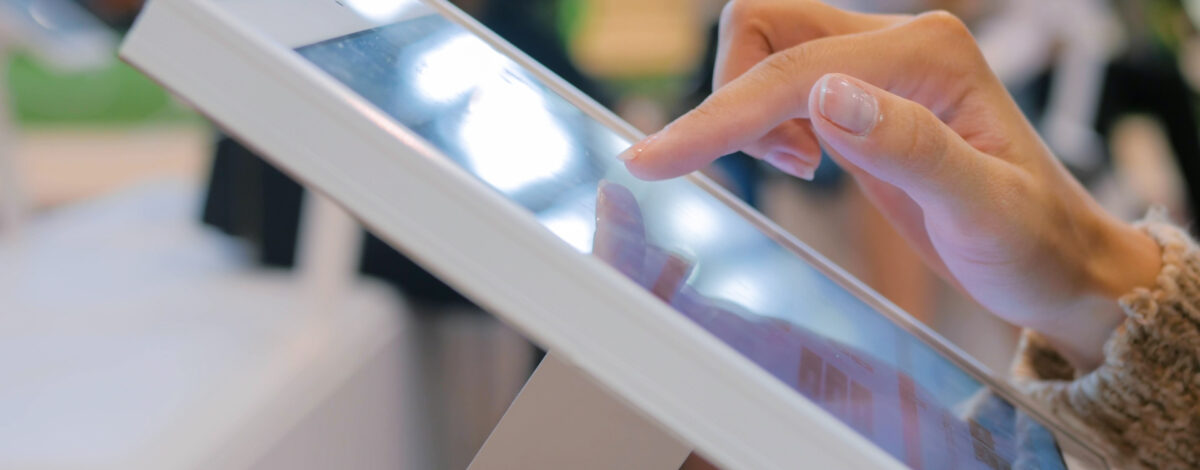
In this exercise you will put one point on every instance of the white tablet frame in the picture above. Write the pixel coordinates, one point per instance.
(495, 252)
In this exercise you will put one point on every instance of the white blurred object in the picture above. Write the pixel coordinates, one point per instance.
(1075, 38)
(130, 337)
(1189, 61)
(61, 34)
(58, 32)
(328, 251)
(1192, 8)
(1146, 172)
(12, 193)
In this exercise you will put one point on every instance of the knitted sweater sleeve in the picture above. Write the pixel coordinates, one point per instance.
(1144, 400)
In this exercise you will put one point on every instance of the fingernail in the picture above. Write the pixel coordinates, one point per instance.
(633, 152)
(791, 165)
(848, 106)
(602, 188)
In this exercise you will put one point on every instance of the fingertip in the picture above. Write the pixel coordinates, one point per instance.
(635, 151)
(684, 146)
(640, 172)
(606, 188)
(612, 197)
(643, 162)
(603, 194)
(649, 167)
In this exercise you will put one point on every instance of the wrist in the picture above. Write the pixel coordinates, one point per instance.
(1124, 259)
(1120, 259)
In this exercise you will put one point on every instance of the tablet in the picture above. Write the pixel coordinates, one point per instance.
(503, 180)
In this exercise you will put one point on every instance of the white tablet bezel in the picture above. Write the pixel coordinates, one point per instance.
(495, 252)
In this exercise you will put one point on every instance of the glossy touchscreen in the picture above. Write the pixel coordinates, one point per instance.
(499, 123)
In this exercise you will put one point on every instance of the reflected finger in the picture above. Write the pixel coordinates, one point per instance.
(620, 238)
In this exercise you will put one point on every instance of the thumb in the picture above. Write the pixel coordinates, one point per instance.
(898, 141)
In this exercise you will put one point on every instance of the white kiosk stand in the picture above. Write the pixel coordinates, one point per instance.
(487, 169)
(563, 419)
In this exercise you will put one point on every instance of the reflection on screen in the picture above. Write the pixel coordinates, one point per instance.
(499, 123)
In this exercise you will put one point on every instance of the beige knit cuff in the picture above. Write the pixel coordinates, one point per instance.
(1144, 400)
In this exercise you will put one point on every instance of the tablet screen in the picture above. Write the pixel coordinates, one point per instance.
(498, 122)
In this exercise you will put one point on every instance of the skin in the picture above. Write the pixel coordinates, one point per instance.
(947, 157)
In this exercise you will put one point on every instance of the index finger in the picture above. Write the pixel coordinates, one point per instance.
(752, 30)
(777, 89)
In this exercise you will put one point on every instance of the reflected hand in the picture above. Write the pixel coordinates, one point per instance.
(909, 107)
(842, 380)
(620, 241)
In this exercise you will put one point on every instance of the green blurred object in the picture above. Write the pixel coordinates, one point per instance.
(115, 94)
(570, 16)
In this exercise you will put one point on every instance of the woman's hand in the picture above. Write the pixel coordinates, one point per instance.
(909, 107)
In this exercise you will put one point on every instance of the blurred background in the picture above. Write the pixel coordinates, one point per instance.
(167, 296)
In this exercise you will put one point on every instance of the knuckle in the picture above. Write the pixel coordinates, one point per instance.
(708, 110)
(948, 33)
(748, 14)
(729, 14)
(739, 12)
(781, 65)
(781, 69)
(944, 23)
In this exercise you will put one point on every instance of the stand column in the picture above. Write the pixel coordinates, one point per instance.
(562, 419)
